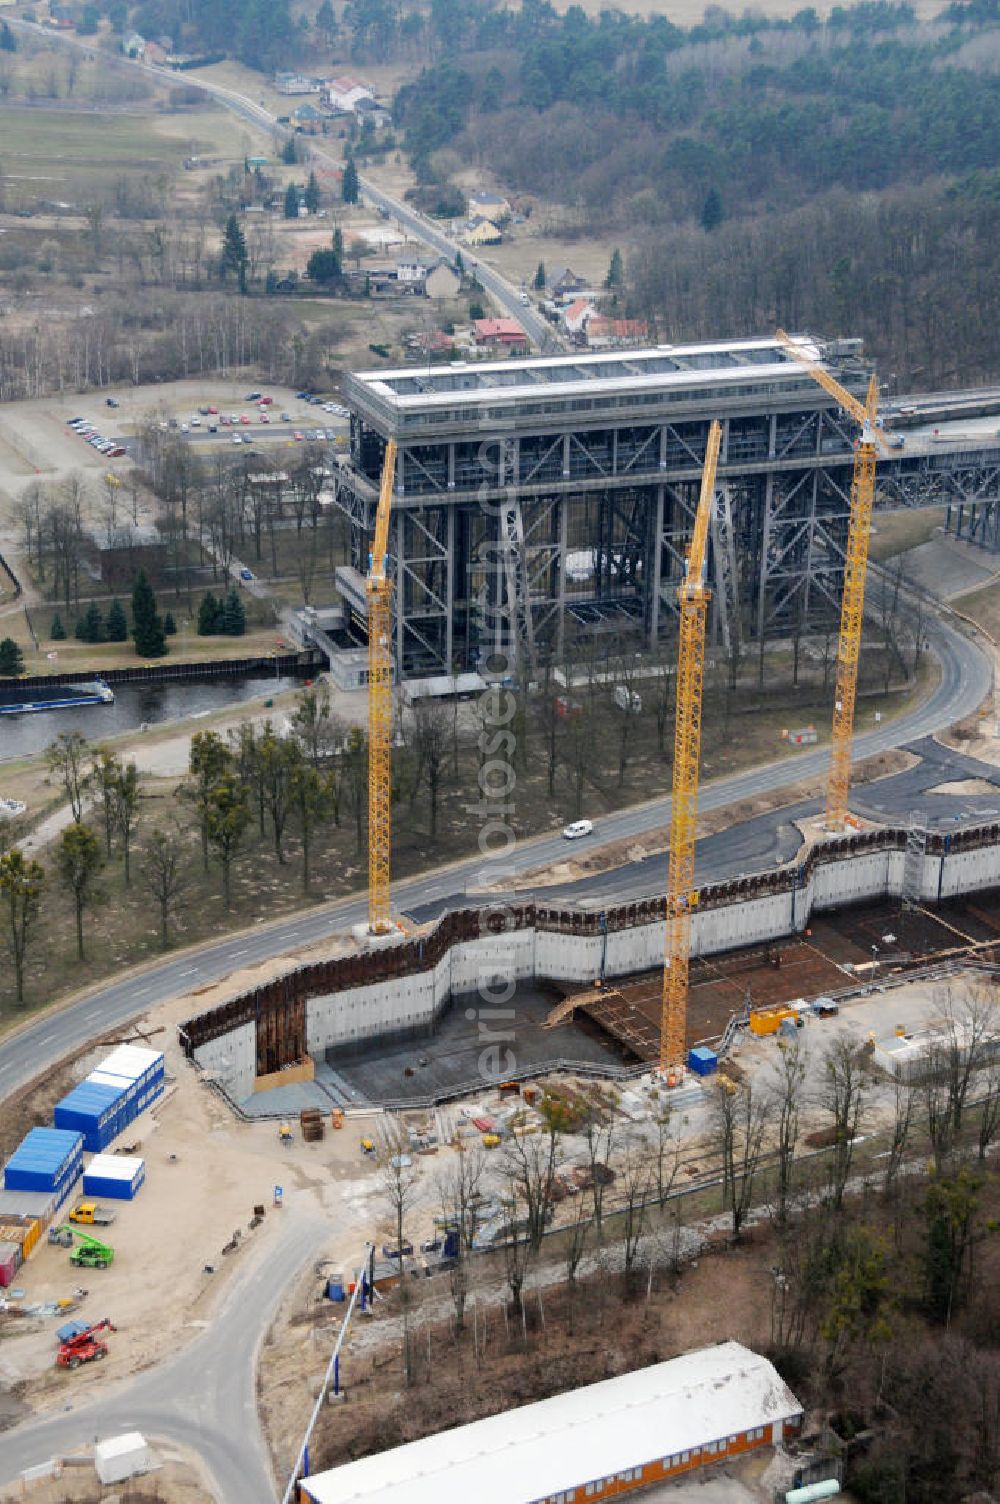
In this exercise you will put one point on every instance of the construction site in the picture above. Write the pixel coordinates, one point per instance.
(347, 1028)
(513, 1016)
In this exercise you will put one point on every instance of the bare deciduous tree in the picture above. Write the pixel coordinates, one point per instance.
(67, 758)
(843, 1094)
(164, 874)
(740, 1118)
(786, 1096)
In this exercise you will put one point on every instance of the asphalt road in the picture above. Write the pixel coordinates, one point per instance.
(204, 1398)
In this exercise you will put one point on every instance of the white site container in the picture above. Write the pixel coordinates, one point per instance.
(122, 1457)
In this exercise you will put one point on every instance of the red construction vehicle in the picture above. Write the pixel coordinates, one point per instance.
(85, 1346)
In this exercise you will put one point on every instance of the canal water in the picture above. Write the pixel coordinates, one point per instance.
(136, 705)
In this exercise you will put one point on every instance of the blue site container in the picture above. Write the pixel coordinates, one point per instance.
(702, 1060)
(335, 1287)
(95, 1110)
(48, 1159)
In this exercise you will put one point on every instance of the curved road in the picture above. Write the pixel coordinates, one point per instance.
(204, 1398)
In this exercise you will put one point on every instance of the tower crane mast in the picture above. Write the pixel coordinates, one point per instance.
(693, 599)
(852, 606)
(379, 593)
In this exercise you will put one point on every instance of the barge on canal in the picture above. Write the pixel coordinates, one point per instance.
(25, 699)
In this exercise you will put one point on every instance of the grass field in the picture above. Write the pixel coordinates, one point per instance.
(68, 156)
(897, 532)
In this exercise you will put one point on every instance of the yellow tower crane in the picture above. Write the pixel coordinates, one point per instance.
(852, 605)
(379, 590)
(693, 597)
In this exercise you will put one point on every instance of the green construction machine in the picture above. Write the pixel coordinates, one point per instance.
(90, 1253)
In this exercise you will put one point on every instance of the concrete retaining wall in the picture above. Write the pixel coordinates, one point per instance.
(233, 1058)
(574, 947)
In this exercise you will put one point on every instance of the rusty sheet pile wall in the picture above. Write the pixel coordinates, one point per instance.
(403, 987)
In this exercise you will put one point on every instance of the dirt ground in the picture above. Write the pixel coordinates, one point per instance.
(205, 1172)
(174, 1481)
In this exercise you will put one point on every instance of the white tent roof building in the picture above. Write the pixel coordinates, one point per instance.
(588, 1444)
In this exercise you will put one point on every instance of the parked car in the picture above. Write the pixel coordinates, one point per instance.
(111, 402)
(286, 417)
(246, 574)
(297, 437)
(195, 422)
(225, 420)
(117, 453)
(577, 829)
(204, 411)
(244, 418)
(266, 401)
(237, 438)
(213, 428)
(212, 411)
(265, 417)
(252, 397)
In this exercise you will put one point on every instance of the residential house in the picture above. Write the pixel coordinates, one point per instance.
(483, 232)
(346, 94)
(133, 45)
(427, 346)
(370, 110)
(564, 281)
(490, 206)
(576, 316)
(411, 273)
(442, 281)
(503, 334)
(616, 334)
(307, 118)
(155, 53)
(295, 83)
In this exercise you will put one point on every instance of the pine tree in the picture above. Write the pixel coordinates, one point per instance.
(311, 196)
(57, 631)
(209, 615)
(288, 152)
(711, 211)
(234, 618)
(292, 201)
(540, 276)
(234, 251)
(338, 244)
(169, 625)
(116, 625)
(147, 626)
(616, 270)
(350, 187)
(11, 658)
(91, 628)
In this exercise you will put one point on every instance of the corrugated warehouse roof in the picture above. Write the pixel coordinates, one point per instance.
(572, 1439)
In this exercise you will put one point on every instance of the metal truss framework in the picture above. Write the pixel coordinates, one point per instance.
(524, 544)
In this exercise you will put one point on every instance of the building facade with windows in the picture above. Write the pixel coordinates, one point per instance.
(600, 1442)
